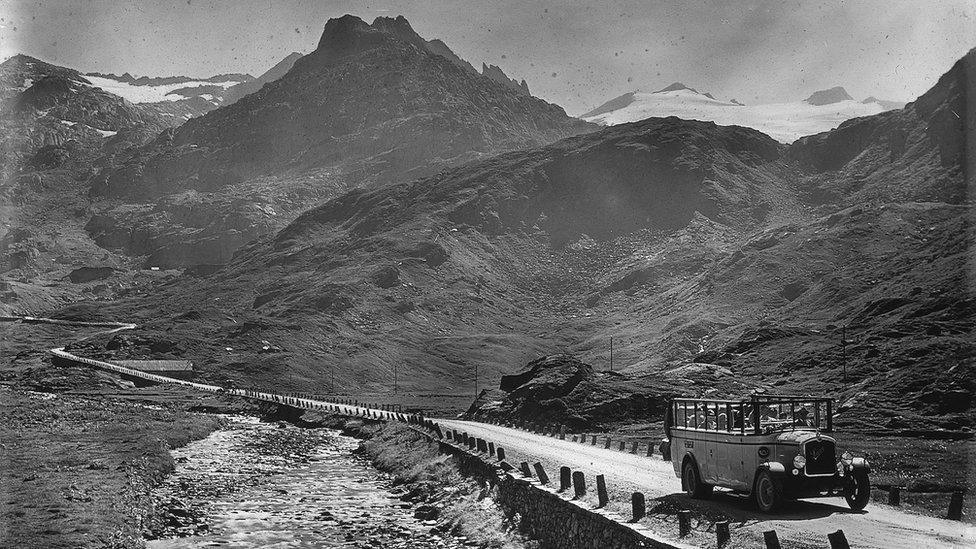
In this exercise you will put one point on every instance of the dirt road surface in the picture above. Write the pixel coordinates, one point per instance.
(877, 527)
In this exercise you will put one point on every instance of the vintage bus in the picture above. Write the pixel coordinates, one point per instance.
(773, 447)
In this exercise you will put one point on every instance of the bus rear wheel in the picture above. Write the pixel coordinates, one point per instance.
(695, 487)
(768, 492)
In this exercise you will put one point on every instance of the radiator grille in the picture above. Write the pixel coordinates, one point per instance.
(820, 457)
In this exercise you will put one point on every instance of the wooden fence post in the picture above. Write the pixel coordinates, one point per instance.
(955, 506)
(579, 484)
(838, 540)
(541, 473)
(564, 478)
(638, 506)
(601, 491)
(684, 522)
(722, 535)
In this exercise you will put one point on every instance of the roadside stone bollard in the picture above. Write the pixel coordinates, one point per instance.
(601, 491)
(633, 447)
(579, 484)
(505, 466)
(894, 496)
(501, 453)
(524, 467)
(838, 540)
(650, 448)
(771, 539)
(638, 506)
(541, 473)
(562, 432)
(565, 479)
(955, 507)
(607, 445)
(623, 446)
(593, 443)
(722, 535)
(684, 522)
(491, 448)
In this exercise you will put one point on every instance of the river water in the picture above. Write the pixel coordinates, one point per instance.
(257, 484)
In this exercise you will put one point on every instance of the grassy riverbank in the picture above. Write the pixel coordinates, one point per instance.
(77, 470)
(457, 503)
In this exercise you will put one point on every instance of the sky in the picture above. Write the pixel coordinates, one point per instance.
(576, 54)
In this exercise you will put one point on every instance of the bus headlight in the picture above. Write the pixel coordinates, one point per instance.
(799, 461)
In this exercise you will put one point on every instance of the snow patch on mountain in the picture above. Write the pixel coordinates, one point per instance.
(149, 94)
(785, 122)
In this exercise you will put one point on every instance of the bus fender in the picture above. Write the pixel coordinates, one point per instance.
(860, 464)
(773, 467)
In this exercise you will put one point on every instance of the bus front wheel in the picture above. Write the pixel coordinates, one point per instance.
(768, 492)
(858, 490)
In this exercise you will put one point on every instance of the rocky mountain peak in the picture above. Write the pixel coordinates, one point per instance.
(495, 73)
(344, 33)
(676, 87)
(399, 27)
(826, 97)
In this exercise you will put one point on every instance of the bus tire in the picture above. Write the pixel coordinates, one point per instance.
(858, 490)
(768, 491)
(694, 486)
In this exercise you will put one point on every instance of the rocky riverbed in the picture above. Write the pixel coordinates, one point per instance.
(256, 484)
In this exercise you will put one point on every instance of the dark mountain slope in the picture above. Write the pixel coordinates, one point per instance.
(490, 260)
(53, 127)
(373, 104)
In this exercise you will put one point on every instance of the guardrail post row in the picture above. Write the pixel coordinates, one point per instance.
(564, 478)
(838, 540)
(684, 522)
(541, 473)
(601, 491)
(771, 540)
(722, 535)
(955, 506)
(638, 506)
(579, 484)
